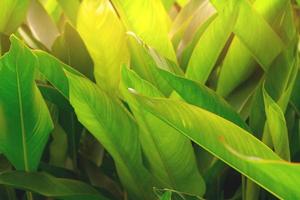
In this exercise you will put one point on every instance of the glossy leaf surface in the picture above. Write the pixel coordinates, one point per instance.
(24, 117)
(159, 142)
(228, 142)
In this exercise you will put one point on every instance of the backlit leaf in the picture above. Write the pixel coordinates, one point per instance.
(277, 127)
(170, 154)
(104, 36)
(105, 117)
(235, 146)
(154, 27)
(12, 14)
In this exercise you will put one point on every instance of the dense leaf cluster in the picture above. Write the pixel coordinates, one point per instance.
(149, 99)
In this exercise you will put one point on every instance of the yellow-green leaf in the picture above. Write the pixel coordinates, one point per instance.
(12, 13)
(104, 36)
(149, 20)
(233, 145)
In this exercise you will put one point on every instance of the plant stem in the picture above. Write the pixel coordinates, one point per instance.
(252, 190)
(29, 196)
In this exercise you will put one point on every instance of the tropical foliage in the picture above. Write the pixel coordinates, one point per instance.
(149, 99)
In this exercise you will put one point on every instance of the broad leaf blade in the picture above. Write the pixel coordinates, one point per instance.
(264, 38)
(105, 117)
(104, 36)
(211, 44)
(49, 186)
(155, 27)
(25, 119)
(70, 48)
(233, 145)
(145, 60)
(277, 127)
(160, 142)
(203, 97)
(241, 51)
(12, 13)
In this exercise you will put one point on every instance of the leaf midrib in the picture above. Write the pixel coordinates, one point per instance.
(20, 103)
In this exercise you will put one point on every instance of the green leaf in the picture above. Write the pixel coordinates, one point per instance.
(278, 78)
(105, 117)
(166, 196)
(277, 127)
(155, 27)
(70, 48)
(264, 38)
(159, 142)
(53, 9)
(211, 43)
(242, 96)
(131, 79)
(231, 144)
(186, 50)
(144, 61)
(13, 12)
(24, 117)
(104, 36)
(203, 97)
(278, 83)
(49, 186)
(248, 49)
(54, 96)
(70, 8)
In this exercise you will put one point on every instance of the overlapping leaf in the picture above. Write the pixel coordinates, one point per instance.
(203, 97)
(233, 145)
(71, 9)
(170, 155)
(49, 186)
(24, 117)
(12, 13)
(277, 127)
(248, 49)
(211, 43)
(37, 18)
(106, 118)
(154, 27)
(145, 60)
(70, 48)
